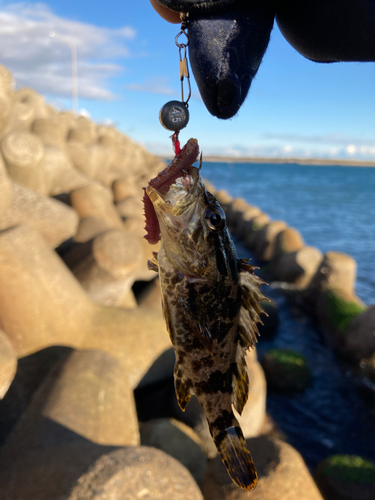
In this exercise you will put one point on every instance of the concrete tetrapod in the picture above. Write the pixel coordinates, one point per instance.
(8, 363)
(54, 221)
(23, 154)
(282, 473)
(111, 268)
(264, 247)
(86, 393)
(61, 176)
(295, 267)
(336, 271)
(42, 304)
(6, 188)
(97, 201)
(254, 228)
(51, 131)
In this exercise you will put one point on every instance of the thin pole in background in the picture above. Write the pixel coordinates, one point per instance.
(73, 48)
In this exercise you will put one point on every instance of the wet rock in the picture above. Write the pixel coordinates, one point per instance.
(270, 320)
(286, 370)
(282, 473)
(264, 248)
(95, 200)
(139, 472)
(8, 363)
(297, 267)
(54, 221)
(177, 440)
(110, 269)
(23, 154)
(346, 477)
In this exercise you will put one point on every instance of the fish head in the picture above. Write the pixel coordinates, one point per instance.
(193, 229)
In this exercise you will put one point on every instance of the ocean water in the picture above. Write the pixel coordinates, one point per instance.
(334, 209)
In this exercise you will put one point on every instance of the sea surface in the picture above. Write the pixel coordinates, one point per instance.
(333, 207)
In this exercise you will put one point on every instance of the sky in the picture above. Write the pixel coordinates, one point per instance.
(128, 69)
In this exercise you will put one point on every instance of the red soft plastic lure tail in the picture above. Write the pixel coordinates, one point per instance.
(162, 182)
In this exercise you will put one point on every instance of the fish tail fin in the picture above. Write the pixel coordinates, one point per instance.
(233, 451)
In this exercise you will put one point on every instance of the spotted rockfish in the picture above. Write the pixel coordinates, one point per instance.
(210, 303)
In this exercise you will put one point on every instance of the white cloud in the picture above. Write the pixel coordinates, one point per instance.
(44, 63)
(276, 151)
(351, 149)
(155, 86)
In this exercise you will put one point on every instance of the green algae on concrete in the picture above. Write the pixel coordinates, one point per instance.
(286, 370)
(341, 309)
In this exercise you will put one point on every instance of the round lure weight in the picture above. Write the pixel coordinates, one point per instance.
(174, 116)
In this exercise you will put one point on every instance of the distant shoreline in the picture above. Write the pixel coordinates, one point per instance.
(298, 161)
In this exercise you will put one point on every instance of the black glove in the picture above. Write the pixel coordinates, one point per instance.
(228, 39)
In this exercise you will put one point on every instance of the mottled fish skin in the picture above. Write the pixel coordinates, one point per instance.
(211, 307)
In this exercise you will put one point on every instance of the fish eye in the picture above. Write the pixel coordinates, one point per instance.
(215, 218)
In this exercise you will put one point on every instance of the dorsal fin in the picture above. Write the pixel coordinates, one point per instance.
(250, 304)
(247, 330)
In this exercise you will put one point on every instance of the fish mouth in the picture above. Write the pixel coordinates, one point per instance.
(172, 191)
(180, 196)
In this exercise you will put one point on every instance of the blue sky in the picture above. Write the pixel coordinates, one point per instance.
(128, 68)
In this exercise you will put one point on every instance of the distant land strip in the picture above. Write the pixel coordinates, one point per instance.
(298, 161)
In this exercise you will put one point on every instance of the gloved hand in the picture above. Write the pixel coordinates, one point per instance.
(228, 39)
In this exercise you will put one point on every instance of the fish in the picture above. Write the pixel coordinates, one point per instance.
(211, 303)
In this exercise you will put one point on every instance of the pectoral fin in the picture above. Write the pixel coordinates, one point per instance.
(153, 263)
(250, 302)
